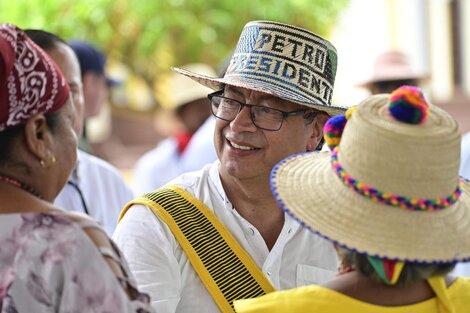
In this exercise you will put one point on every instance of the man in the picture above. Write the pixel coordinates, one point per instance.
(95, 186)
(187, 148)
(272, 102)
(95, 82)
(392, 69)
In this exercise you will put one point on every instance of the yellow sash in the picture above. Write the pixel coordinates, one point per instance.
(227, 271)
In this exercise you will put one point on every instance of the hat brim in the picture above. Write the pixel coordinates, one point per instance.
(308, 189)
(219, 83)
(111, 82)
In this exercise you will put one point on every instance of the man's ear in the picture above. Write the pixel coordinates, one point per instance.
(317, 131)
(38, 137)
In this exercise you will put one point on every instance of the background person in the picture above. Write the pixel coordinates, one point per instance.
(50, 260)
(96, 84)
(95, 187)
(398, 233)
(262, 117)
(392, 69)
(188, 121)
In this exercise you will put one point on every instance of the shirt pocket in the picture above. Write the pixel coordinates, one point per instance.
(308, 274)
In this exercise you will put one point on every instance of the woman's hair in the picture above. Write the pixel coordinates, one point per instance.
(9, 135)
(411, 273)
(45, 40)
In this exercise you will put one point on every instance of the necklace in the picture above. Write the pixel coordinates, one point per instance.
(21, 185)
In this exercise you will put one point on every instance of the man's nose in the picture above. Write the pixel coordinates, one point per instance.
(243, 121)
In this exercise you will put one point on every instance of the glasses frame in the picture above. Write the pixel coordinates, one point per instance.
(285, 115)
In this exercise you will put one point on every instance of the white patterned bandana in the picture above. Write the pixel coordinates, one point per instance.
(30, 82)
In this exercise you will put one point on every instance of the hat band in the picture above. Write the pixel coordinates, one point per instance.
(412, 204)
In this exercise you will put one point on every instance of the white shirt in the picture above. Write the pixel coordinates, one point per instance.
(103, 189)
(162, 269)
(163, 163)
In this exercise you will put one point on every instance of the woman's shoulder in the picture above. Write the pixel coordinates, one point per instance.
(301, 299)
(64, 253)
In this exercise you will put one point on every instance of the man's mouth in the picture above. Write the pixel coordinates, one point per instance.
(241, 147)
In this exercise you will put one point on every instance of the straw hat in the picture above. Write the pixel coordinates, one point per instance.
(390, 66)
(281, 60)
(380, 160)
(182, 90)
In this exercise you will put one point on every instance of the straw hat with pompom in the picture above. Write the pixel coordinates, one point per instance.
(390, 188)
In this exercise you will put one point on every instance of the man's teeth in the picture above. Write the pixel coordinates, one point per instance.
(241, 147)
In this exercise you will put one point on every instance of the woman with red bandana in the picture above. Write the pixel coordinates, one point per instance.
(50, 261)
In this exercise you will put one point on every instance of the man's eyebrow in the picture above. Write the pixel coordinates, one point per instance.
(261, 97)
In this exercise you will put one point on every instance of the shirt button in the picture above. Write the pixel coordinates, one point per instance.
(268, 273)
(289, 230)
(252, 231)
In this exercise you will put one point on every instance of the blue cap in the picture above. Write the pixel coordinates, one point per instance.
(91, 59)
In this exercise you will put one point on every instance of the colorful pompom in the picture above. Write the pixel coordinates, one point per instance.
(333, 130)
(407, 104)
(350, 111)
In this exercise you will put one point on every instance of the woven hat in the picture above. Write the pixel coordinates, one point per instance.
(390, 66)
(182, 90)
(281, 60)
(390, 188)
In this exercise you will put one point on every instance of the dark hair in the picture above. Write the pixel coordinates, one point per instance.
(44, 39)
(411, 273)
(391, 85)
(8, 136)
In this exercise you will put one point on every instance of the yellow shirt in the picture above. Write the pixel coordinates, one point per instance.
(315, 298)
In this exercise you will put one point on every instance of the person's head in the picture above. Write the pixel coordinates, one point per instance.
(275, 69)
(410, 273)
(37, 141)
(95, 83)
(67, 61)
(392, 69)
(389, 190)
(187, 99)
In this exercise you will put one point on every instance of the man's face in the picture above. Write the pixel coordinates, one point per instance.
(247, 152)
(95, 91)
(68, 63)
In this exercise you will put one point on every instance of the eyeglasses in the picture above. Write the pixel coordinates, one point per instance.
(262, 117)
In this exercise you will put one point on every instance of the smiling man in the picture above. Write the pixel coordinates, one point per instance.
(216, 235)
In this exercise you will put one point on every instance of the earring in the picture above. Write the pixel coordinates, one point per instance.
(52, 161)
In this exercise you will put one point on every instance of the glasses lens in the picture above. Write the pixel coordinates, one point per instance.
(266, 118)
(224, 108)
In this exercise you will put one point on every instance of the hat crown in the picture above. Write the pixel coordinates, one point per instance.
(290, 61)
(393, 65)
(416, 161)
(90, 58)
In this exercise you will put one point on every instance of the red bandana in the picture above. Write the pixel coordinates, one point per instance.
(30, 82)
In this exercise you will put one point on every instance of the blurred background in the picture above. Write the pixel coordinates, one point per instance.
(143, 39)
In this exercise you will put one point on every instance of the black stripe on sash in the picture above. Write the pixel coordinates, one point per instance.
(229, 273)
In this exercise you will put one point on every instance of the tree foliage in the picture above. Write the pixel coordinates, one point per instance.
(151, 36)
